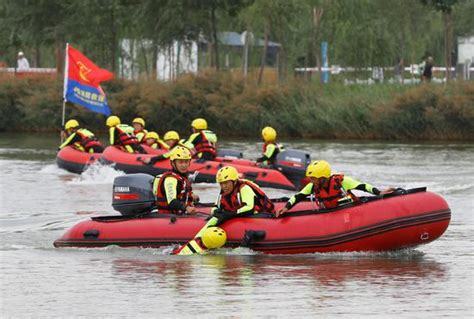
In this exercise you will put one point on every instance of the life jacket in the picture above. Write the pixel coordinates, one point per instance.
(205, 145)
(140, 134)
(232, 202)
(157, 145)
(88, 140)
(278, 148)
(125, 135)
(335, 194)
(184, 192)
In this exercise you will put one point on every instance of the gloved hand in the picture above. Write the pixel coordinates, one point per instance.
(223, 215)
(192, 177)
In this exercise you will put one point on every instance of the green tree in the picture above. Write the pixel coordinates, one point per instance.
(446, 8)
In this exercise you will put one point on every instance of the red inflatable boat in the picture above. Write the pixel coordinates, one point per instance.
(400, 220)
(75, 161)
(288, 175)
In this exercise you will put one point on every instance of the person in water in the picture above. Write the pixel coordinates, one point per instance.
(171, 138)
(152, 139)
(271, 148)
(329, 190)
(202, 141)
(139, 128)
(122, 135)
(80, 138)
(172, 189)
(237, 198)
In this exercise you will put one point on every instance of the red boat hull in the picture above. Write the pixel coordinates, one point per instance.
(75, 161)
(131, 163)
(377, 225)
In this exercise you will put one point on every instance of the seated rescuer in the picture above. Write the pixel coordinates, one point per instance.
(329, 190)
(122, 135)
(171, 138)
(203, 141)
(81, 138)
(237, 198)
(172, 189)
(270, 148)
(153, 140)
(139, 128)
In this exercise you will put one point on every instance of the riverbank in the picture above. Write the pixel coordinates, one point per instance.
(236, 109)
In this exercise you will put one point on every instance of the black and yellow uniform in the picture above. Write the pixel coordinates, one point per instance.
(204, 144)
(158, 145)
(140, 134)
(338, 192)
(122, 135)
(173, 192)
(246, 199)
(270, 152)
(83, 140)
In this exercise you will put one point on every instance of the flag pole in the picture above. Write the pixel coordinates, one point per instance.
(66, 70)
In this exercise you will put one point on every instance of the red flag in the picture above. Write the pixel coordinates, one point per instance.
(83, 70)
(81, 82)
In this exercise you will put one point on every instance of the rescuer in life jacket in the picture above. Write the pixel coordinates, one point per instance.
(210, 238)
(80, 138)
(152, 139)
(122, 135)
(172, 189)
(237, 198)
(171, 139)
(271, 148)
(202, 141)
(139, 129)
(329, 190)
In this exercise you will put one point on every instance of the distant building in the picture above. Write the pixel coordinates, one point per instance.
(466, 50)
(185, 56)
(466, 57)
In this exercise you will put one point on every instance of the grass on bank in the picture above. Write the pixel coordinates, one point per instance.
(234, 108)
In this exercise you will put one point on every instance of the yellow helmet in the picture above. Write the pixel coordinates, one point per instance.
(152, 135)
(199, 124)
(318, 169)
(139, 120)
(269, 134)
(112, 121)
(71, 124)
(214, 237)
(171, 135)
(227, 173)
(180, 152)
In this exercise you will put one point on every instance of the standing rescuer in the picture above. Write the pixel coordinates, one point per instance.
(80, 138)
(271, 148)
(172, 189)
(329, 190)
(122, 135)
(139, 128)
(203, 141)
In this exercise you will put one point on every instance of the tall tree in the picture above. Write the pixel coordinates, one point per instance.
(446, 8)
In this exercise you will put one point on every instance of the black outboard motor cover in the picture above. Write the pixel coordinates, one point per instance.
(133, 194)
(292, 163)
(229, 153)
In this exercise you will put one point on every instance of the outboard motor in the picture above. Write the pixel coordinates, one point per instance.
(229, 153)
(133, 194)
(292, 163)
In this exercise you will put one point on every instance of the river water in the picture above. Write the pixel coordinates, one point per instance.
(39, 202)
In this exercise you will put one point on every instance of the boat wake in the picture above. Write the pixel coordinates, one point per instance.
(97, 174)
